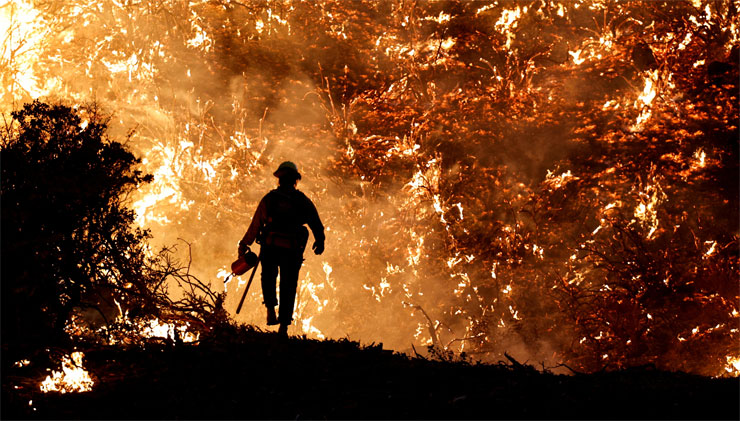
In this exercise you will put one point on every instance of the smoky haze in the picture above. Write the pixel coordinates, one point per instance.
(517, 177)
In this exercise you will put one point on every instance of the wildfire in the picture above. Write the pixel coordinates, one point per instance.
(558, 181)
(733, 366)
(576, 56)
(311, 329)
(71, 378)
(508, 22)
(136, 330)
(645, 99)
(156, 329)
(24, 34)
(439, 171)
(646, 211)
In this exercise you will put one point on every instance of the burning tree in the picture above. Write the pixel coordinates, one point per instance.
(553, 179)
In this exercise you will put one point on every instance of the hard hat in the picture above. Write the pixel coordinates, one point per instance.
(286, 168)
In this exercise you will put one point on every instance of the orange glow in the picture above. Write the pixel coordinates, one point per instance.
(462, 175)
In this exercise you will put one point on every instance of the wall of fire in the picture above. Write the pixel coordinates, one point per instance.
(558, 180)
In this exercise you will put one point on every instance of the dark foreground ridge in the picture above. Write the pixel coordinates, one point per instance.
(245, 374)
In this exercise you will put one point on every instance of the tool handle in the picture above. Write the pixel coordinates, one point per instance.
(251, 277)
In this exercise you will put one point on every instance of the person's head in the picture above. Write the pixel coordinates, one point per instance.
(287, 174)
(288, 181)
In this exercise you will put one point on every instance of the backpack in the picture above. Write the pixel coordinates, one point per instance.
(285, 218)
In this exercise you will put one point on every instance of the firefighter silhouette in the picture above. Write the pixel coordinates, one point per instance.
(278, 226)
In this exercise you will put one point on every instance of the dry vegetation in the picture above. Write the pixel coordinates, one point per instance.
(556, 181)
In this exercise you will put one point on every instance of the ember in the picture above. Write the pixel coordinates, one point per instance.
(553, 179)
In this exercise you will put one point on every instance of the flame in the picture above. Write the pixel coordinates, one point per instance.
(156, 329)
(556, 182)
(310, 329)
(648, 92)
(646, 210)
(200, 38)
(645, 99)
(442, 18)
(25, 32)
(712, 246)
(446, 238)
(508, 22)
(136, 329)
(71, 378)
(733, 366)
(576, 55)
(509, 18)
(699, 159)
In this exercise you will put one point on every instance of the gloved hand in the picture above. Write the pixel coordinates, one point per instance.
(318, 247)
(243, 249)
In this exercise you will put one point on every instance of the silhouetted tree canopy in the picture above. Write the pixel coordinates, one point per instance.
(67, 238)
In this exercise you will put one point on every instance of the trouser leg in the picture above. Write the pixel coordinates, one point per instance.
(269, 277)
(289, 268)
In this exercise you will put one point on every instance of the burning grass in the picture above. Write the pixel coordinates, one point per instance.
(72, 377)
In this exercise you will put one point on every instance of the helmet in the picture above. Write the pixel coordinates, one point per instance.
(286, 168)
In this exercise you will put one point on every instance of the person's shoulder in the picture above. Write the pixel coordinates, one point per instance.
(308, 204)
(270, 195)
(280, 194)
(302, 195)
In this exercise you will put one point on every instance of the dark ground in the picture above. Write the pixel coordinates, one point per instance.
(258, 375)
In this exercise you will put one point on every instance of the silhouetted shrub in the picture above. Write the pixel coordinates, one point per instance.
(68, 241)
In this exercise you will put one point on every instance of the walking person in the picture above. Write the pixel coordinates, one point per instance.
(279, 226)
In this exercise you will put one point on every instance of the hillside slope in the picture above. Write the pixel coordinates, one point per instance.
(242, 373)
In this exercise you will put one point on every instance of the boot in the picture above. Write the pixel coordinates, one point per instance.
(271, 316)
(283, 330)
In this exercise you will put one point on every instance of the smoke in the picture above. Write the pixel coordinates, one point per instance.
(469, 165)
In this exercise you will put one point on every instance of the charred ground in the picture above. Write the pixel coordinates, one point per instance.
(241, 373)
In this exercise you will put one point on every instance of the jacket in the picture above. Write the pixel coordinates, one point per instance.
(284, 211)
